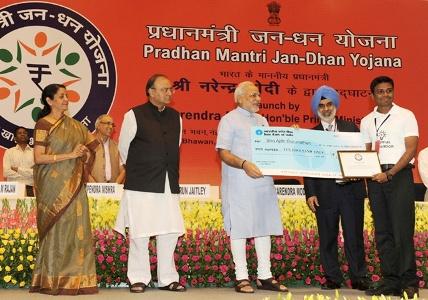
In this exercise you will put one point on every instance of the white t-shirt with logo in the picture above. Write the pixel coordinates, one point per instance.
(390, 129)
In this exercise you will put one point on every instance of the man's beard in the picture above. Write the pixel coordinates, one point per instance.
(330, 118)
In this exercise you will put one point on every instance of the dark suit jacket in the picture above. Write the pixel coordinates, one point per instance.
(322, 187)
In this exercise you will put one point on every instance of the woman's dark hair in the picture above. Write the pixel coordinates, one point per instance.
(48, 91)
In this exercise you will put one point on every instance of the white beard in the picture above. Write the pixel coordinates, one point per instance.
(328, 119)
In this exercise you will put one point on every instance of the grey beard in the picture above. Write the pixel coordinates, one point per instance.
(328, 119)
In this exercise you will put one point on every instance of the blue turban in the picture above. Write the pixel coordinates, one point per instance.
(324, 92)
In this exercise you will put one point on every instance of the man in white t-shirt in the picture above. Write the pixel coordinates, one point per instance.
(392, 131)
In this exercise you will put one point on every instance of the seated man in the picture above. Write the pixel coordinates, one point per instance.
(18, 161)
(108, 166)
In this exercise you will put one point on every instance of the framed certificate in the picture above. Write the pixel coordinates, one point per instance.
(359, 164)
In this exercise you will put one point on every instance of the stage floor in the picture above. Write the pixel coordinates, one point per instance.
(197, 293)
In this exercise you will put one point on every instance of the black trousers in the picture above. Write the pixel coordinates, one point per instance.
(393, 207)
(343, 206)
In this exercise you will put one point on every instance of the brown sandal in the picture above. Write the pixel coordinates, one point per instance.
(173, 287)
(242, 284)
(137, 287)
(271, 284)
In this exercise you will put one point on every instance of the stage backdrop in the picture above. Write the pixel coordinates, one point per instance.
(105, 51)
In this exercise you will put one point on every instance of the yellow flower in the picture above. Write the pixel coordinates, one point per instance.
(20, 267)
(13, 250)
(22, 284)
(30, 258)
(1, 268)
(32, 266)
(30, 249)
(21, 258)
(2, 250)
(14, 281)
(12, 257)
(7, 268)
(32, 242)
(1, 257)
(7, 278)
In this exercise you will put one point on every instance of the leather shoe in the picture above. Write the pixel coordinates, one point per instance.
(383, 290)
(361, 284)
(330, 285)
(411, 291)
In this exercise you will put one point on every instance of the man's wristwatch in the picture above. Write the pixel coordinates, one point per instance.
(388, 175)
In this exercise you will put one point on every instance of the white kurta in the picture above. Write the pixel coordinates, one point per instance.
(146, 214)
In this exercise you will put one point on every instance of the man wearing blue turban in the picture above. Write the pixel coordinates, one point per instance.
(333, 200)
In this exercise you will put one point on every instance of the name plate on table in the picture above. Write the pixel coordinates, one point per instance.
(108, 190)
(359, 164)
(301, 152)
(195, 190)
(12, 189)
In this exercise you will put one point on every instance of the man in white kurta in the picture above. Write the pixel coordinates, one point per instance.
(249, 200)
(144, 212)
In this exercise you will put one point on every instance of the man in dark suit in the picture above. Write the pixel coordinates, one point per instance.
(333, 200)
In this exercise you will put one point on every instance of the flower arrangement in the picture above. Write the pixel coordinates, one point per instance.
(202, 256)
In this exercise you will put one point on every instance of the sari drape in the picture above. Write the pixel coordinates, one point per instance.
(65, 263)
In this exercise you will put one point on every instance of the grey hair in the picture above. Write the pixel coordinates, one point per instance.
(98, 120)
(239, 90)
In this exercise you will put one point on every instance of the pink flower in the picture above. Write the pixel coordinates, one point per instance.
(113, 249)
(197, 267)
(277, 256)
(123, 250)
(194, 282)
(153, 259)
(370, 269)
(103, 267)
(308, 280)
(185, 258)
(227, 256)
(195, 258)
(217, 256)
(375, 278)
(100, 258)
(119, 242)
(211, 279)
(123, 258)
(289, 274)
(185, 268)
(207, 258)
(345, 268)
(421, 283)
(109, 259)
(224, 269)
(419, 273)
(227, 279)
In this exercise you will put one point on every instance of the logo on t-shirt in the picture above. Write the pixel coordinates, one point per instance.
(41, 44)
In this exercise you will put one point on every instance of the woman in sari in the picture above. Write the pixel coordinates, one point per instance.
(65, 263)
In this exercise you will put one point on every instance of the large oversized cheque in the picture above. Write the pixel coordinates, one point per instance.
(301, 152)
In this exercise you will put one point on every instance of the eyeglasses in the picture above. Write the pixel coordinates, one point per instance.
(325, 105)
(165, 90)
(254, 95)
(380, 92)
(108, 124)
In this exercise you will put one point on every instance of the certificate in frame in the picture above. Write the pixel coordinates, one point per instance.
(359, 164)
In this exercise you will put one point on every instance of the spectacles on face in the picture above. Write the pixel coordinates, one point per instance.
(108, 124)
(327, 105)
(254, 95)
(165, 90)
(380, 92)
